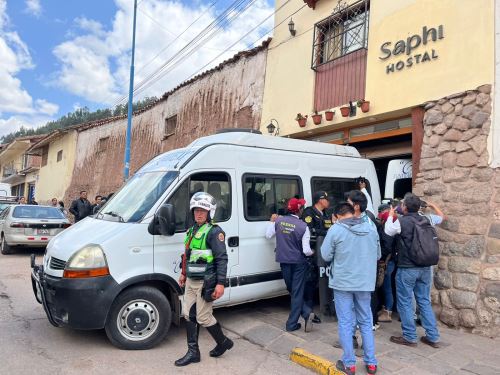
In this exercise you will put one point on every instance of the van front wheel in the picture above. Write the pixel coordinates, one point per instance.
(139, 319)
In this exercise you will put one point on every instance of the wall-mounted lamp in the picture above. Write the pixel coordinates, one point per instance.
(273, 129)
(291, 27)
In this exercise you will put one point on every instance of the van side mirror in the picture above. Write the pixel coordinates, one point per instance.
(164, 221)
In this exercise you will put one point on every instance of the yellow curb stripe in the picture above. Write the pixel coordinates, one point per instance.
(313, 362)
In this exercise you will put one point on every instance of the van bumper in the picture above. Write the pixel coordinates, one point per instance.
(75, 303)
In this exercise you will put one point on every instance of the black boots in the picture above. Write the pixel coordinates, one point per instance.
(193, 353)
(223, 343)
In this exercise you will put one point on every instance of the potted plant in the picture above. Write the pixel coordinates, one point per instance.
(302, 120)
(329, 115)
(345, 111)
(364, 105)
(317, 117)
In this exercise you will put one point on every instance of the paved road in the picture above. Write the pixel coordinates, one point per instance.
(30, 345)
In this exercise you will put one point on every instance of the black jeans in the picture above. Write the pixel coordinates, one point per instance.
(295, 278)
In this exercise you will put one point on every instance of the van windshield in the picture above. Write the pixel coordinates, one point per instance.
(136, 198)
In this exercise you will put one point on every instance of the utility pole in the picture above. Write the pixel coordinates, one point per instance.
(126, 168)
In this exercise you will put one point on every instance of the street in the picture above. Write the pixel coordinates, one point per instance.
(30, 345)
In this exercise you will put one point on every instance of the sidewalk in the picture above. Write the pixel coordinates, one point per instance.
(262, 323)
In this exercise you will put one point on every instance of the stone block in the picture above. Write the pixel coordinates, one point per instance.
(447, 107)
(428, 131)
(443, 280)
(494, 231)
(443, 261)
(493, 245)
(482, 209)
(433, 117)
(451, 224)
(453, 135)
(492, 303)
(445, 147)
(428, 151)
(465, 281)
(429, 105)
(463, 300)
(461, 123)
(456, 174)
(491, 273)
(449, 317)
(474, 247)
(467, 158)
(469, 111)
(431, 175)
(474, 225)
(449, 159)
(492, 259)
(434, 140)
(478, 144)
(482, 99)
(448, 120)
(482, 174)
(464, 265)
(470, 98)
(467, 318)
(447, 236)
(462, 146)
(484, 317)
(456, 209)
(458, 109)
(492, 290)
(450, 196)
(430, 164)
(478, 195)
(486, 89)
(445, 299)
(469, 134)
(478, 119)
(434, 188)
(440, 129)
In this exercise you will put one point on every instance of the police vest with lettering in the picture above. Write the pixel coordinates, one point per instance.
(198, 245)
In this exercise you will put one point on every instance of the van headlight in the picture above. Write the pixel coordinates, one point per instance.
(89, 261)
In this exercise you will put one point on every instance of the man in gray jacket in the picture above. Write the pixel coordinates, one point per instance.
(353, 247)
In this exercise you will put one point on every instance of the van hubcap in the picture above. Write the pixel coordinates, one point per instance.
(137, 320)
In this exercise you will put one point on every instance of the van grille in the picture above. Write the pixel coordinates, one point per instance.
(57, 264)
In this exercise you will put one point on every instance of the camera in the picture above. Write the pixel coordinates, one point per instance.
(360, 180)
(423, 204)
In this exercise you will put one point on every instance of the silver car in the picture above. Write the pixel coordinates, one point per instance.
(32, 226)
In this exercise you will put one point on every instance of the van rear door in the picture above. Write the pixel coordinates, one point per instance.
(399, 178)
(221, 184)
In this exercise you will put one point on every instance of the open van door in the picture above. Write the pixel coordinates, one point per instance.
(399, 178)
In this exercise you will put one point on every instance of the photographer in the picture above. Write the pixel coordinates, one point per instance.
(361, 183)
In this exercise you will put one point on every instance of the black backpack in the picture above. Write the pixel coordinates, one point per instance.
(424, 249)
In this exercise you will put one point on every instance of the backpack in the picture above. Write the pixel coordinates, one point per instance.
(424, 249)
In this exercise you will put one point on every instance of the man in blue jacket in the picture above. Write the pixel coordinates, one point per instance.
(352, 245)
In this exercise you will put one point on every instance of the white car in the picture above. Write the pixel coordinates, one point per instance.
(32, 226)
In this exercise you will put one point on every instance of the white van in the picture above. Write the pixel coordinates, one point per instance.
(399, 178)
(119, 269)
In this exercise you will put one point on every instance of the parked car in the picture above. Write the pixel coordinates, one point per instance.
(121, 266)
(27, 225)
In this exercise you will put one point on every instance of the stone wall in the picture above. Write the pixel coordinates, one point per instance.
(455, 174)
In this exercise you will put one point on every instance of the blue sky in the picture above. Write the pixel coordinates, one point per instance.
(58, 55)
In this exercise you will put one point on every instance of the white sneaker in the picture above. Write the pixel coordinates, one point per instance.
(376, 326)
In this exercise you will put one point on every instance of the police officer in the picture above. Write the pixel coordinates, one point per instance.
(203, 274)
(318, 222)
(292, 247)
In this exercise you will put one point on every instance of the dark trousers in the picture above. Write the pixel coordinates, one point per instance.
(309, 289)
(295, 277)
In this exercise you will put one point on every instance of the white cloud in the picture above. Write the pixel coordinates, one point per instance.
(34, 7)
(95, 64)
(17, 106)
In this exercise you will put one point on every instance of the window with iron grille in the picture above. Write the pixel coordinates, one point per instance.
(345, 31)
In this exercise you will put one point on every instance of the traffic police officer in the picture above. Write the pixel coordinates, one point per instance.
(204, 269)
(318, 222)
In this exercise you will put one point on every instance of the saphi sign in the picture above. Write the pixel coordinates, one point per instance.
(408, 46)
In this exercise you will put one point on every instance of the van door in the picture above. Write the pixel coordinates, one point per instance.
(221, 185)
(399, 178)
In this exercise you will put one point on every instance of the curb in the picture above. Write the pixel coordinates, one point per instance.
(313, 362)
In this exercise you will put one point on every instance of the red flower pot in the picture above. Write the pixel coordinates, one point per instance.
(302, 122)
(329, 115)
(365, 107)
(317, 119)
(345, 111)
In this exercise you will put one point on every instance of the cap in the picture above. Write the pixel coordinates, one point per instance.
(294, 205)
(319, 195)
(383, 207)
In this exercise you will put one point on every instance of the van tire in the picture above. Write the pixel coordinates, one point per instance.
(144, 305)
(5, 249)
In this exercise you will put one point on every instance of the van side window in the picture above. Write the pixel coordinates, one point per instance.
(265, 195)
(217, 184)
(336, 188)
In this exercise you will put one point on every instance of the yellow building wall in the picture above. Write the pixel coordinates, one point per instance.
(465, 59)
(55, 177)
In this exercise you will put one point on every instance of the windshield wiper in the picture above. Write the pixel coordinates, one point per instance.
(114, 214)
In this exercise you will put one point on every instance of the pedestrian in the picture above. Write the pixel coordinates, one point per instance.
(318, 222)
(292, 247)
(54, 202)
(21, 200)
(204, 270)
(414, 276)
(388, 262)
(362, 185)
(81, 207)
(97, 204)
(353, 247)
(63, 210)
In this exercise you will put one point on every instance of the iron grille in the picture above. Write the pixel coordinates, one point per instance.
(345, 31)
(57, 264)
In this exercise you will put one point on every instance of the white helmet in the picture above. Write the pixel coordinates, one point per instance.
(205, 201)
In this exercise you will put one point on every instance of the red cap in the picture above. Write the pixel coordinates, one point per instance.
(294, 205)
